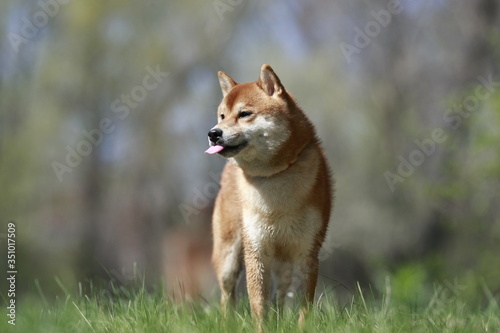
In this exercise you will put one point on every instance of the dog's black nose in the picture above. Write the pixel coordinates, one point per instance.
(215, 134)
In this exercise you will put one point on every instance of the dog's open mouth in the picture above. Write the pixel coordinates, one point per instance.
(226, 151)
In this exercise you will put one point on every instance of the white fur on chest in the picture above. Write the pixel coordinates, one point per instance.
(292, 234)
(277, 215)
(284, 193)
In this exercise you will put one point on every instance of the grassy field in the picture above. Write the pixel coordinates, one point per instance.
(125, 311)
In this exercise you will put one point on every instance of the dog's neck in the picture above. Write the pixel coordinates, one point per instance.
(275, 166)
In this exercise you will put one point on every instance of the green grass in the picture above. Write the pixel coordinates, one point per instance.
(125, 311)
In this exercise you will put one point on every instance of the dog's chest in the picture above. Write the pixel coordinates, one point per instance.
(277, 219)
(284, 237)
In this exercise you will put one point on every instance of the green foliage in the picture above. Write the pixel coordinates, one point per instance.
(122, 310)
(409, 283)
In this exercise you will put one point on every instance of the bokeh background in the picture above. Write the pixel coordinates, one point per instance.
(105, 107)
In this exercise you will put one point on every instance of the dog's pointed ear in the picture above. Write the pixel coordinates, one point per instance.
(270, 82)
(226, 83)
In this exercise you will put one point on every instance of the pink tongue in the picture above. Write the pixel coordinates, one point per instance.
(214, 149)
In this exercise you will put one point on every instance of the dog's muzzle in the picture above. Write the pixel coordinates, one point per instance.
(215, 135)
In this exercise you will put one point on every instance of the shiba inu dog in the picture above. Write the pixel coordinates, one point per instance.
(273, 208)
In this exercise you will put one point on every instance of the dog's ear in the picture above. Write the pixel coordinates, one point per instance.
(226, 83)
(270, 82)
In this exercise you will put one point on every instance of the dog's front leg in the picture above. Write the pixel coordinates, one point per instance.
(308, 277)
(258, 282)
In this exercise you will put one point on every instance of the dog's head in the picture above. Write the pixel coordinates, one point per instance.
(253, 118)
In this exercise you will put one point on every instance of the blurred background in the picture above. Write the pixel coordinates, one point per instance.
(105, 107)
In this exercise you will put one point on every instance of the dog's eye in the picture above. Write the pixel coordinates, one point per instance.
(244, 114)
(221, 117)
